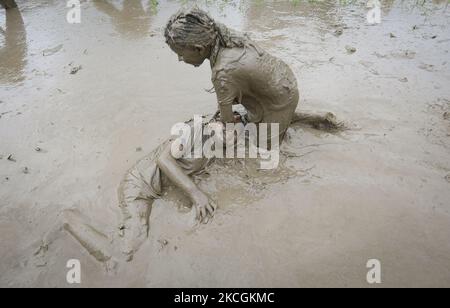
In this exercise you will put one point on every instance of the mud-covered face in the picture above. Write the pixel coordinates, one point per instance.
(194, 56)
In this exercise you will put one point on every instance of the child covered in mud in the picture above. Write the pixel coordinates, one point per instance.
(242, 72)
(145, 182)
(243, 75)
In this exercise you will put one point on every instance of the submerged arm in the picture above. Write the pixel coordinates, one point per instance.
(179, 178)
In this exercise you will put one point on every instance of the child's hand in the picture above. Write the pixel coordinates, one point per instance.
(204, 208)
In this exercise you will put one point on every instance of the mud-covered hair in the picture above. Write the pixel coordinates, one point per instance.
(188, 28)
(193, 26)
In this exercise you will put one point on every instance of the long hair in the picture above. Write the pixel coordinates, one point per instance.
(191, 27)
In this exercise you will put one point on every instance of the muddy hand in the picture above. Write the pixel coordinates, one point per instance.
(204, 208)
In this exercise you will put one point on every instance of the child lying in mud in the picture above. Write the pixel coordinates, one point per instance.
(147, 181)
(243, 74)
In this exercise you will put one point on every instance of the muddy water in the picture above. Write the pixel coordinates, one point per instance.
(380, 190)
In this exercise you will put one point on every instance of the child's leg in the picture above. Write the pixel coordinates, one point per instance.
(135, 227)
(95, 242)
(139, 188)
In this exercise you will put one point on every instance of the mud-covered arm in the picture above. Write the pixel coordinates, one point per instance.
(175, 173)
(169, 166)
(227, 94)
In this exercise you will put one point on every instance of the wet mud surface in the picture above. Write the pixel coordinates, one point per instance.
(81, 104)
